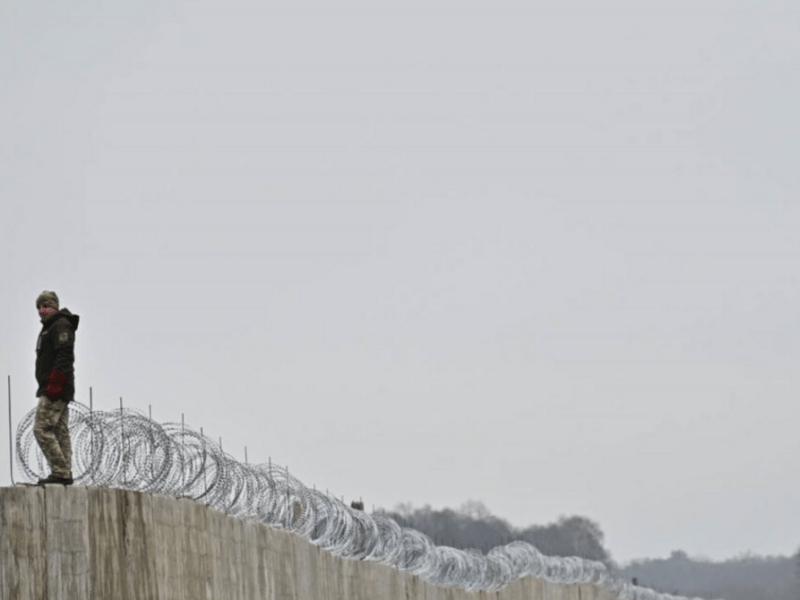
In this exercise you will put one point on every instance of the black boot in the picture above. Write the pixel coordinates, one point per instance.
(55, 479)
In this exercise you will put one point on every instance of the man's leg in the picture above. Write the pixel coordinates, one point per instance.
(50, 428)
(64, 441)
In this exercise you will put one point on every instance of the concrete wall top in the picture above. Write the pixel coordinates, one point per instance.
(81, 543)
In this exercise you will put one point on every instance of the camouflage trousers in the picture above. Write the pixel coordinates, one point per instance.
(51, 430)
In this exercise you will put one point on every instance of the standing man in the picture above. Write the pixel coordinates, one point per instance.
(55, 373)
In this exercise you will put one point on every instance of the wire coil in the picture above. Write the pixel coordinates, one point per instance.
(126, 449)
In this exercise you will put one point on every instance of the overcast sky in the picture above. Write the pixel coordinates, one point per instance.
(539, 254)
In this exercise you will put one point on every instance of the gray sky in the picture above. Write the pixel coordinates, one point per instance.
(544, 255)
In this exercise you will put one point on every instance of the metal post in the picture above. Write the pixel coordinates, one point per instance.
(151, 454)
(91, 429)
(124, 453)
(205, 483)
(288, 508)
(183, 453)
(10, 436)
(245, 456)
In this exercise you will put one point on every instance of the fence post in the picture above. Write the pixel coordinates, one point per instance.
(124, 453)
(205, 481)
(288, 508)
(183, 454)
(151, 454)
(91, 429)
(10, 436)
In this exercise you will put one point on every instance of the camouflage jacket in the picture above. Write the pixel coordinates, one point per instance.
(55, 351)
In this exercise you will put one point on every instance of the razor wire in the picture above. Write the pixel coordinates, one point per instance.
(125, 449)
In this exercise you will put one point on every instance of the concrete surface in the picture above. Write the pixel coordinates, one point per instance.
(81, 543)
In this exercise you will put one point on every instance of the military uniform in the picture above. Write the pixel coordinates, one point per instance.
(55, 374)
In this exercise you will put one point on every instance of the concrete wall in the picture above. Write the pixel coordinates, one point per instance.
(79, 543)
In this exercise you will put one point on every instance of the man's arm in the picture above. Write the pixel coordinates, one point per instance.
(64, 359)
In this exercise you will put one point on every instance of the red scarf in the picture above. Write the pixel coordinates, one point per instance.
(46, 311)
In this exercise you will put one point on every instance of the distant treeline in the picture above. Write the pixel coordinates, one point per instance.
(745, 577)
(742, 578)
(473, 526)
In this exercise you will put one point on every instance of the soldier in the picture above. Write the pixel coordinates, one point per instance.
(55, 375)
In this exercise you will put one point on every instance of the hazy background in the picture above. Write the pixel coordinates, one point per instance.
(543, 255)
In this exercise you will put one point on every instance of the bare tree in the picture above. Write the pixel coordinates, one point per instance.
(472, 525)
